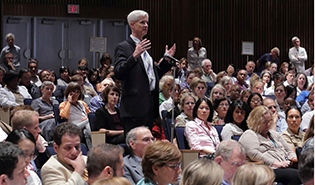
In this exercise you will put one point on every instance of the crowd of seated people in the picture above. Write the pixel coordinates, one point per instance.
(253, 108)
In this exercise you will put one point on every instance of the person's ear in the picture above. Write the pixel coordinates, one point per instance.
(56, 147)
(132, 144)
(108, 171)
(3, 179)
(155, 169)
(218, 159)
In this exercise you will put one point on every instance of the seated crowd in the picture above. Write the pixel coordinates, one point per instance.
(264, 119)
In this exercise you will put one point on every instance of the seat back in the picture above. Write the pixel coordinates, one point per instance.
(236, 138)
(181, 139)
(219, 130)
(52, 151)
(165, 125)
(28, 101)
(92, 119)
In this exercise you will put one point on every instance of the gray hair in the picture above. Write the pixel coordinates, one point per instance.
(226, 148)
(46, 83)
(132, 135)
(277, 49)
(250, 62)
(295, 38)
(163, 80)
(9, 35)
(134, 15)
(224, 80)
(204, 61)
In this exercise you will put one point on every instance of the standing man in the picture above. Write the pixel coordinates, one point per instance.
(208, 74)
(298, 55)
(138, 74)
(11, 48)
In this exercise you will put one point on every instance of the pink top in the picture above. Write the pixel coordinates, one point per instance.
(200, 137)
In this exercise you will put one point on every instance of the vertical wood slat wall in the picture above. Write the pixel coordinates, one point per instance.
(221, 24)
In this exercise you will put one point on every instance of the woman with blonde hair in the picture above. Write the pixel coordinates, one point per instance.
(161, 164)
(226, 82)
(252, 174)
(202, 172)
(198, 87)
(264, 144)
(217, 91)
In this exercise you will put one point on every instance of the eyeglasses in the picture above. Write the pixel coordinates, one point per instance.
(31, 156)
(223, 104)
(9, 57)
(235, 164)
(148, 139)
(174, 166)
(272, 106)
(187, 103)
(76, 92)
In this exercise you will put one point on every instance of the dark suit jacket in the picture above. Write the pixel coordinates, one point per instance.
(134, 81)
(133, 168)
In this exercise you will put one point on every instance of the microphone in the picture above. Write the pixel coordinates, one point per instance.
(166, 55)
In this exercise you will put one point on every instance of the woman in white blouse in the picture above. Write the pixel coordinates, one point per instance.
(196, 54)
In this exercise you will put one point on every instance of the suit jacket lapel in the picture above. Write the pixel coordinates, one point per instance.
(136, 165)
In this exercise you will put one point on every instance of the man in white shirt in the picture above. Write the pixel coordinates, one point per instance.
(297, 55)
(208, 74)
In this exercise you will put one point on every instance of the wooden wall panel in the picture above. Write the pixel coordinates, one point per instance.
(221, 24)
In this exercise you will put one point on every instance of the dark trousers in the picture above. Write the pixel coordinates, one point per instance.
(288, 176)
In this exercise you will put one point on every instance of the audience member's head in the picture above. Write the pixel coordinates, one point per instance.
(10, 39)
(13, 166)
(67, 143)
(161, 158)
(245, 94)
(254, 100)
(250, 66)
(230, 155)
(138, 139)
(105, 161)
(241, 76)
(83, 62)
(33, 66)
(206, 65)
(218, 91)
(198, 87)
(202, 172)
(11, 79)
(235, 92)
(28, 120)
(306, 166)
(237, 113)
(253, 174)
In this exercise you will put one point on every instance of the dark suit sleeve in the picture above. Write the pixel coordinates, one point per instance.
(163, 67)
(123, 60)
(41, 158)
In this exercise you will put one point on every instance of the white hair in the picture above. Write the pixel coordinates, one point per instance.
(134, 16)
(295, 38)
(163, 80)
(9, 35)
(204, 61)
